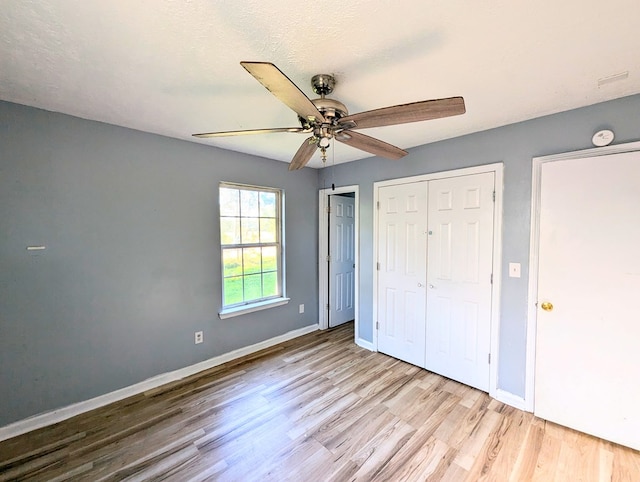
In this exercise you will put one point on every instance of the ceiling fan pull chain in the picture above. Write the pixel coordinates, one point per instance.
(333, 165)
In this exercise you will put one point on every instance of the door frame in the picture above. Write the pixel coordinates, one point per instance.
(323, 250)
(497, 169)
(534, 247)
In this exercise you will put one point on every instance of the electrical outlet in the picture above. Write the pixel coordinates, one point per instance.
(199, 337)
(301, 308)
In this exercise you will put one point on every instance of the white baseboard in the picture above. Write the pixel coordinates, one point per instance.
(60, 414)
(367, 345)
(511, 399)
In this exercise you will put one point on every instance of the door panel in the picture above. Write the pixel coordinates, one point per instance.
(587, 356)
(402, 271)
(342, 258)
(460, 261)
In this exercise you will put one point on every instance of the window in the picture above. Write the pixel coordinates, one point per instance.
(251, 244)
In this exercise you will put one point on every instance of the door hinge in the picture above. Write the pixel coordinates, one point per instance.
(378, 266)
(327, 306)
(378, 205)
(491, 278)
(329, 259)
(329, 209)
(377, 325)
(489, 361)
(494, 196)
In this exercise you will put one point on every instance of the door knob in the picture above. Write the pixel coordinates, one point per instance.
(431, 287)
(419, 285)
(547, 306)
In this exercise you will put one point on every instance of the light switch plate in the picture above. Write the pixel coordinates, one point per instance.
(514, 270)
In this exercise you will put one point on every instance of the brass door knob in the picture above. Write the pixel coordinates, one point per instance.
(547, 306)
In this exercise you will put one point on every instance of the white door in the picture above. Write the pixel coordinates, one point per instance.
(460, 260)
(402, 215)
(341, 259)
(588, 341)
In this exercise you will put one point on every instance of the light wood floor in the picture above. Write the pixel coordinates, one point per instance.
(313, 409)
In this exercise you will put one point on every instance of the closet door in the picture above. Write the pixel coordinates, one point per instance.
(460, 260)
(401, 293)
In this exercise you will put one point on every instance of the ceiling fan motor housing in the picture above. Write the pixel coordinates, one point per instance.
(331, 109)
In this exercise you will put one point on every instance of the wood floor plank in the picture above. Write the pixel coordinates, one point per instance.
(425, 462)
(381, 448)
(529, 453)
(411, 458)
(504, 448)
(605, 462)
(478, 439)
(45, 449)
(315, 408)
(346, 439)
(626, 465)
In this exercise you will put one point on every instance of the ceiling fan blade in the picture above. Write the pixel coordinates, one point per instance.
(304, 154)
(404, 113)
(249, 132)
(371, 145)
(284, 89)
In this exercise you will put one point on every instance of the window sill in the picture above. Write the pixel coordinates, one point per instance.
(243, 310)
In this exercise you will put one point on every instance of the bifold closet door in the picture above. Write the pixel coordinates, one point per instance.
(459, 273)
(402, 271)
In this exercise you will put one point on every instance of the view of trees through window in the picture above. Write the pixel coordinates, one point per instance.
(250, 239)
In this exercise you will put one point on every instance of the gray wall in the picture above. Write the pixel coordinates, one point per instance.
(514, 145)
(132, 265)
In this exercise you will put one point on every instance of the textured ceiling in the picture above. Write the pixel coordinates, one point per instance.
(172, 67)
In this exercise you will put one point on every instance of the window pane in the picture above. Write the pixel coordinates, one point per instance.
(269, 284)
(250, 230)
(232, 263)
(229, 202)
(250, 216)
(233, 290)
(269, 258)
(267, 230)
(268, 204)
(230, 230)
(249, 206)
(252, 261)
(252, 287)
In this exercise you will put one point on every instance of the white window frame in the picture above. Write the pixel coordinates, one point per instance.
(262, 303)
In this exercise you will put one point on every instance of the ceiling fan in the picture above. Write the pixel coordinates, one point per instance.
(327, 119)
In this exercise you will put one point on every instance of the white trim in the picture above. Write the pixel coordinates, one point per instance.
(244, 309)
(534, 244)
(365, 344)
(466, 171)
(60, 414)
(323, 249)
(510, 399)
(374, 298)
(498, 169)
(497, 280)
